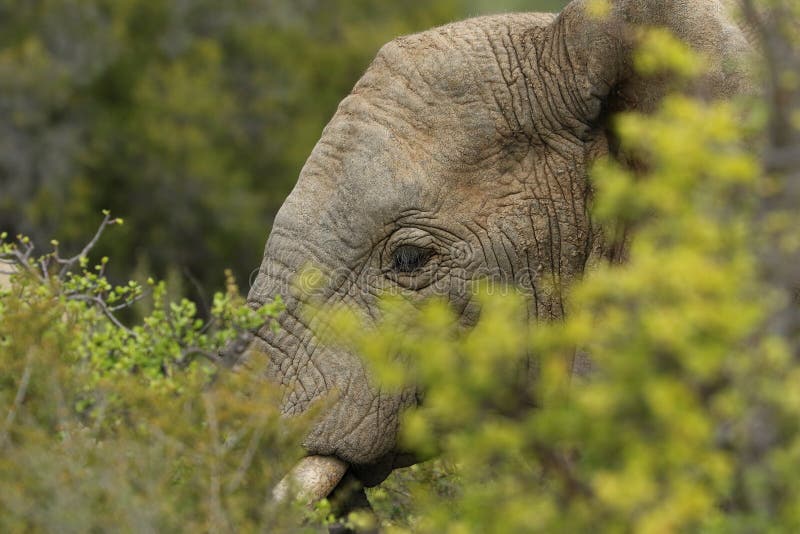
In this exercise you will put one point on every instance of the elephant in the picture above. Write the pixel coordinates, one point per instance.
(462, 152)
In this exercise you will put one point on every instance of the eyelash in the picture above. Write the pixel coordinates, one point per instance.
(409, 258)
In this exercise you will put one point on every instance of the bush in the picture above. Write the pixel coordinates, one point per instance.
(688, 421)
(659, 437)
(110, 427)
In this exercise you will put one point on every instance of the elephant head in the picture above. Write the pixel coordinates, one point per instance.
(461, 153)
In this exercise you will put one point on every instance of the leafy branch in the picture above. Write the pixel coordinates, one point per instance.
(172, 335)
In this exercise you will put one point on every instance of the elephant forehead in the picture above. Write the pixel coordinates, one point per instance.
(448, 95)
(456, 91)
(417, 128)
(434, 111)
(357, 180)
(365, 169)
(455, 61)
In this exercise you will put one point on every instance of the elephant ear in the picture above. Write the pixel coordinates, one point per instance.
(596, 47)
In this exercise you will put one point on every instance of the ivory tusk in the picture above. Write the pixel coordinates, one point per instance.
(311, 479)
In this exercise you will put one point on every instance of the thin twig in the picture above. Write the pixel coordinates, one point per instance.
(18, 398)
(215, 494)
(69, 262)
(247, 459)
(43, 266)
(21, 259)
(200, 291)
(235, 349)
(129, 302)
(104, 308)
(189, 351)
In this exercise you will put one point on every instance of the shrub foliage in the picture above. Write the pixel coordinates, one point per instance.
(118, 413)
(110, 426)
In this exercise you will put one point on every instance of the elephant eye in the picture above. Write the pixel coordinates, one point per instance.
(409, 258)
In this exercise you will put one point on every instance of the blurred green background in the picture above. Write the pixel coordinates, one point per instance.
(188, 118)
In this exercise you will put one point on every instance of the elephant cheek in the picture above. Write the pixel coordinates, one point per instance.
(357, 423)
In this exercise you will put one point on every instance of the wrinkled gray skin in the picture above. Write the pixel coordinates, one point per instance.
(471, 140)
